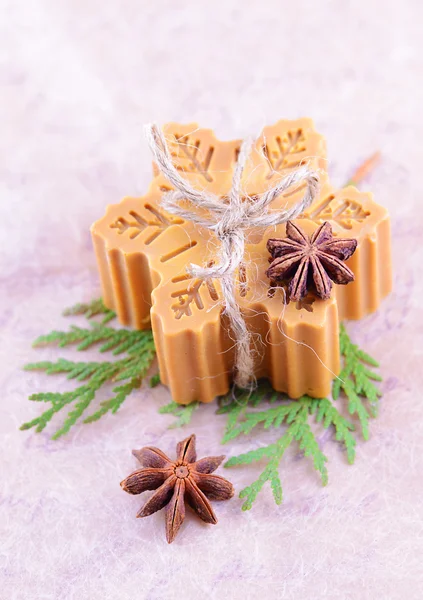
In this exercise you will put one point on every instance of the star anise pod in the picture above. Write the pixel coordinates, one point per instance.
(184, 480)
(310, 263)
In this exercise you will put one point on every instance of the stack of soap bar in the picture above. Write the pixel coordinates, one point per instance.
(143, 253)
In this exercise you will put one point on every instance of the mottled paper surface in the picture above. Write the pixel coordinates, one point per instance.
(78, 79)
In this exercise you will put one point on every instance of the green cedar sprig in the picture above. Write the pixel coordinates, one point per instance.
(356, 381)
(295, 415)
(130, 370)
(182, 413)
(91, 309)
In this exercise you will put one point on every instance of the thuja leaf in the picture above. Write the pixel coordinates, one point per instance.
(113, 404)
(309, 445)
(270, 473)
(135, 351)
(235, 404)
(328, 415)
(182, 412)
(295, 415)
(155, 380)
(356, 383)
(272, 417)
(92, 309)
(75, 370)
(83, 403)
(117, 340)
(251, 456)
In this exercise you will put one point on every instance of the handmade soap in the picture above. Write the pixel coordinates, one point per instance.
(143, 254)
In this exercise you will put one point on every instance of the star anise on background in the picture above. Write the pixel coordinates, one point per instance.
(184, 480)
(310, 263)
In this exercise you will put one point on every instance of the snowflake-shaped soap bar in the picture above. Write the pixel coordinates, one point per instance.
(143, 254)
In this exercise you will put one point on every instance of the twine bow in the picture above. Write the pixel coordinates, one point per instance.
(230, 219)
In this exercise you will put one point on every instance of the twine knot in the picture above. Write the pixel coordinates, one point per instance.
(230, 218)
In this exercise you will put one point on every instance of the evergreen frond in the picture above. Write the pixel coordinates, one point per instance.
(182, 412)
(295, 415)
(245, 411)
(115, 340)
(113, 404)
(235, 404)
(155, 380)
(355, 381)
(136, 353)
(252, 456)
(272, 417)
(328, 415)
(309, 445)
(270, 473)
(90, 310)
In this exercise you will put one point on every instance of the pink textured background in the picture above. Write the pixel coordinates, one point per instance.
(78, 79)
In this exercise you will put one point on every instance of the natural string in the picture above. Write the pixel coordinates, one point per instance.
(230, 218)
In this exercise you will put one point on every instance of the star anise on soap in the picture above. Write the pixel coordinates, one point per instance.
(310, 263)
(184, 480)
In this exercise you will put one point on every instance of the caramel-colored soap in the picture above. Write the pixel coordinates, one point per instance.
(143, 254)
